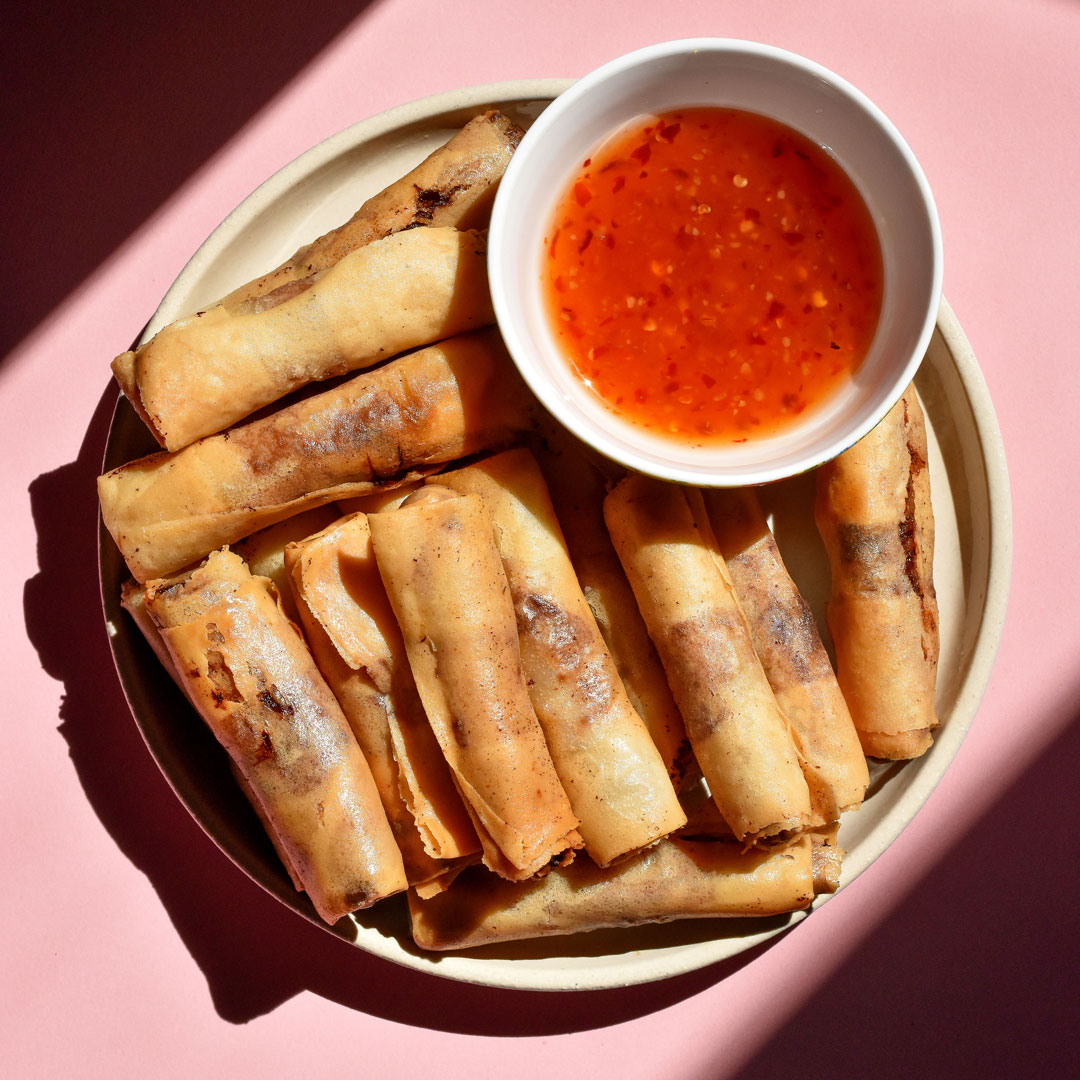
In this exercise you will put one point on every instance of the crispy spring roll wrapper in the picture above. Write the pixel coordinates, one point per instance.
(166, 511)
(577, 490)
(204, 373)
(357, 644)
(454, 186)
(446, 583)
(615, 778)
(676, 879)
(741, 740)
(874, 515)
(789, 647)
(251, 677)
(264, 551)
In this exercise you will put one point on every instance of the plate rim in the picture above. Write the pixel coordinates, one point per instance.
(495, 972)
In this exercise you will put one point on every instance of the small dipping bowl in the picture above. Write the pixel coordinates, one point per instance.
(755, 78)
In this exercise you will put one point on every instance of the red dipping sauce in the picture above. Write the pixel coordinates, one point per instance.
(712, 275)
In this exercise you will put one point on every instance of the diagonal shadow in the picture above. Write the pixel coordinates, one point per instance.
(254, 952)
(108, 107)
(974, 972)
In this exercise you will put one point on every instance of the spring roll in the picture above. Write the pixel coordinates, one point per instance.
(166, 511)
(454, 186)
(247, 670)
(446, 583)
(789, 647)
(357, 644)
(741, 740)
(676, 879)
(874, 515)
(202, 374)
(616, 781)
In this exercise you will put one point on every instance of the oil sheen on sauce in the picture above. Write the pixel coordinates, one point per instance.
(712, 274)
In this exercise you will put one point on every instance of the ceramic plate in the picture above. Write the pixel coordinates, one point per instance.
(318, 191)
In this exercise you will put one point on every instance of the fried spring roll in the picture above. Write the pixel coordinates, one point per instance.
(577, 492)
(204, 373)
(676, 879)
(454, 186)
(873, 512)
(741, 740)
(614, 776)
(248, 672)
(787, 642)
(446, 583)
(166, 511)
(357, 644)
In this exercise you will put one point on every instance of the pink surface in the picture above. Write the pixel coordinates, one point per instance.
(130, 946)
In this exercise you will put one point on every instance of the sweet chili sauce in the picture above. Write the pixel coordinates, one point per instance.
(711, 274)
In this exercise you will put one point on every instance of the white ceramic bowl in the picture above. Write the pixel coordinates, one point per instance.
(761, 79)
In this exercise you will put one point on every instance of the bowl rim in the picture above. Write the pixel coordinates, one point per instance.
(524, 351)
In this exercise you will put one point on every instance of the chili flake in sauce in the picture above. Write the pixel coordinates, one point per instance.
(711, 274)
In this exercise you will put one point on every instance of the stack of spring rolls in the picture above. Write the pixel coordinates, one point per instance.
(449, 655)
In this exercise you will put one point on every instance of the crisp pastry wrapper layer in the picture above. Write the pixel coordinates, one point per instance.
(204, 373)
(250, 675)
(741, 740)
(614, 776)
(453, 186)
(446, 583)
(356, 642)
(791, 651)
(441, 403)
(676, 879)
(874, 515)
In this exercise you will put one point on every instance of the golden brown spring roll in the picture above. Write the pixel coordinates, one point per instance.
(204, 373)
(357, 644)
(873, 512)
(676, 879)
(445, 580)
(577, 488)
(789, 646)
(166, 511)
(264, 551)
(612, 772)
(454, 186)
(741, 740)
(247, 670)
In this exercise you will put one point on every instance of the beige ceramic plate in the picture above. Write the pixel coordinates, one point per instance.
(971, 502)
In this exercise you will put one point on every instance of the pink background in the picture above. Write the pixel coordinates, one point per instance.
(130, 946)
